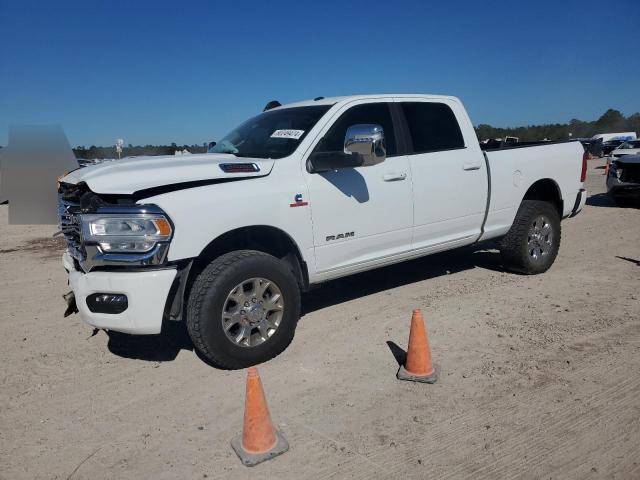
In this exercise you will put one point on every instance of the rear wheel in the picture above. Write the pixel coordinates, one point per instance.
(243, 309)
(532, 243)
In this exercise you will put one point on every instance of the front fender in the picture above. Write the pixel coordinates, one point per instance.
(202, 214)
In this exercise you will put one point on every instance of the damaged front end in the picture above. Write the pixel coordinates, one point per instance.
(116, 260)
(70, 299)
(111, 231)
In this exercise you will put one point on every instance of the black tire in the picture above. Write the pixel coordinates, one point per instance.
(514, 246)
(209, 294)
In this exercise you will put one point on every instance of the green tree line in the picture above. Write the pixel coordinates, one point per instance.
(610, 122)
(133, 151)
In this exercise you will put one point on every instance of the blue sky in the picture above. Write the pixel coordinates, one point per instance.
(187, 72)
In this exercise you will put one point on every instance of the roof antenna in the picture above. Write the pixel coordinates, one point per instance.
(318, 98)
(271, 104)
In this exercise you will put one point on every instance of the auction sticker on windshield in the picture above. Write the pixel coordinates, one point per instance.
(295, 134)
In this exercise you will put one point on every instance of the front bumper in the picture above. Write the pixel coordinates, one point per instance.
(617, 187)
(147, 293)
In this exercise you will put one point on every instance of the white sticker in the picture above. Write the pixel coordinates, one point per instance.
(295, 134)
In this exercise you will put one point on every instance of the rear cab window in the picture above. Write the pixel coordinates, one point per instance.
(433, 127)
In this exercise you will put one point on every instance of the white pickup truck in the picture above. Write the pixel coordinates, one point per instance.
(298, 195)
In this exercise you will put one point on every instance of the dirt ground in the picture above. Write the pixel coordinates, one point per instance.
(540, 375)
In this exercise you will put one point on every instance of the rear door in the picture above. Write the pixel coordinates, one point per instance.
(448, 171)
(360, 215)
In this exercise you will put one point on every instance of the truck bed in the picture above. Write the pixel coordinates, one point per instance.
(495, 146)
(513, 170)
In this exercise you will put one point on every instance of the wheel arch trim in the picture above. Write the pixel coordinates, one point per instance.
(539, 190)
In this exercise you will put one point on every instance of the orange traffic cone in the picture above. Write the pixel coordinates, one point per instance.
(418, 367)
(259, 440)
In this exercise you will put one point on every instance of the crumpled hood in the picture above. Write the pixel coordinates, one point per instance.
(130, 175)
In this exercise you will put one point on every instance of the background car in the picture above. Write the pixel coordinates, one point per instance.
(623, 179)
(610, 145)
(630, 147)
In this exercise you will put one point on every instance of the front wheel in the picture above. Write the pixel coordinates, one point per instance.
(532, 243)
(243, 309)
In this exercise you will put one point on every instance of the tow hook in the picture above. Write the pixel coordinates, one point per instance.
(70, 298)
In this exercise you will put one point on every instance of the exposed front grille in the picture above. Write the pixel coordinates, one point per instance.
(630, 173)
(68, 210)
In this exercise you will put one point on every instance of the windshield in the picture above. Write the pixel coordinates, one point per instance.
(629, 145)
(272, 134)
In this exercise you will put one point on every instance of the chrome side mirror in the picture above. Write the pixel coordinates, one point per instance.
(366, 141)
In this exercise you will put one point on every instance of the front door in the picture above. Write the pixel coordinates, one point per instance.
(360, 215)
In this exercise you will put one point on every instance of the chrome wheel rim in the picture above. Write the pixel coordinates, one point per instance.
(540, 239)
(252, 312)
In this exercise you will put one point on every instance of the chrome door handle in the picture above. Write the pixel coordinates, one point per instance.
(392, 177)
(471, 166)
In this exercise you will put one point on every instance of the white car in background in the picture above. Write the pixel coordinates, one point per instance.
(630, 147)
(607, 137)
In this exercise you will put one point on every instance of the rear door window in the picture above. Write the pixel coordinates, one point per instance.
(433, 127)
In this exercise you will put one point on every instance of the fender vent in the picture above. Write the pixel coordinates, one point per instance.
(239, 167)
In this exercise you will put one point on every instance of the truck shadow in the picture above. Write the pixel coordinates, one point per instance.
(174, 337)
(153, 348)
(393, 276)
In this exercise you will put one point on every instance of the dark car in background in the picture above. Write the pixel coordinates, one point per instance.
(591, 146)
